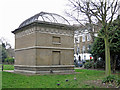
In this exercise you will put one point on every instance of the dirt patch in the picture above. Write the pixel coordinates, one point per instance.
(98, 83)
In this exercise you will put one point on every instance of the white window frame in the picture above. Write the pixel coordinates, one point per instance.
(83, 49)
(88, 37)
(83, 38)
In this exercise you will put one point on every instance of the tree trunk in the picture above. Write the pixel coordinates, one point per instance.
(107, 57)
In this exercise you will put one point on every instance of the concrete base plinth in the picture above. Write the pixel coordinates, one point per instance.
(55, 69)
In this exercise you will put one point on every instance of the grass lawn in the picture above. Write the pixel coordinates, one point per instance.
(83, 79)
(8, 67)
(11, 80)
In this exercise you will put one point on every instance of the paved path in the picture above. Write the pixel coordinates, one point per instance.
(8, 70)
(89, 68)
(79, 67)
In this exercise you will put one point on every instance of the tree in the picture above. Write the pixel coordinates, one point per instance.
(102, 11)
(4, 46)
(98, 48)
(79, 12)
(115, 42)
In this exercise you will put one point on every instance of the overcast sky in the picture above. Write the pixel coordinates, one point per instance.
(14, 12)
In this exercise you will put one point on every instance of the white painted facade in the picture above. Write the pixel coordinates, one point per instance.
(84, 56)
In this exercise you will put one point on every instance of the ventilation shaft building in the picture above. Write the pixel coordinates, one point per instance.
(44, 44)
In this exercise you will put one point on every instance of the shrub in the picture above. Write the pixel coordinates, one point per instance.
(100, 64)
(109, 79)
(95, 65)
(112, 79)
(87, 60)
(118, 81)
(91, 59)
(9, 60)
(88, 65)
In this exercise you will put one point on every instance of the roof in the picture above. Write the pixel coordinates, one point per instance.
(46, 17)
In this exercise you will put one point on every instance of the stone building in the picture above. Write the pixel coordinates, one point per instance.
(44, 44)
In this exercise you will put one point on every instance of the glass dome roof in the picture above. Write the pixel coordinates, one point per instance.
(46, 17)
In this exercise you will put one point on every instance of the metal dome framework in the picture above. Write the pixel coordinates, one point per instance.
(46, 17)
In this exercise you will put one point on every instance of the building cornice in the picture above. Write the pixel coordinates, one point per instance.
(45, 24)
(45, 30)
(44, 47)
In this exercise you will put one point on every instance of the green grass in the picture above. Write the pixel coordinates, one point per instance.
(12, 80)
(8, 67)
